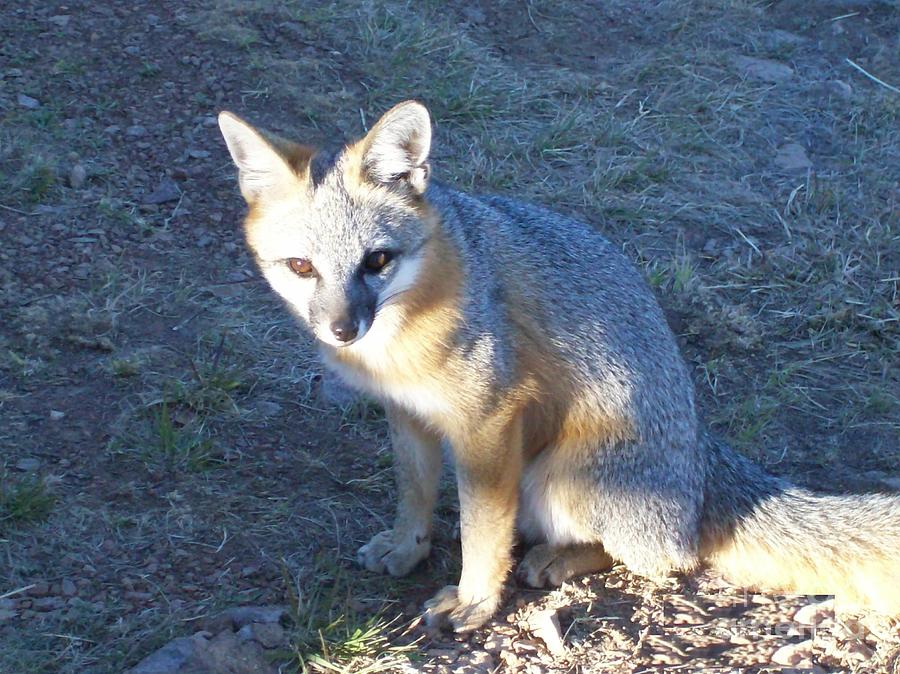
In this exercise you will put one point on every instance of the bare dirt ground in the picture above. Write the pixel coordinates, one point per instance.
(166, 448)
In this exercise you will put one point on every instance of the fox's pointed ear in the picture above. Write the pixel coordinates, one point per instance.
(261, 167)
(396, 149)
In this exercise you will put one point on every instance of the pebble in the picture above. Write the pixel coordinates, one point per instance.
(793, 654)
(68, 588)
(792, 157)
(764, 69)
(497, 642)
(77, 176)
(267, 408)
(269, 635)
(136, 131)
(60, 20)
(56, 415)
(167, 190)
(545, 626)
(839, 88)
(813, 614)
(240, 616)
(858, 651)
(28, 102)
(28, 464)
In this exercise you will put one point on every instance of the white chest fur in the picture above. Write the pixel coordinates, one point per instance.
(420, 399)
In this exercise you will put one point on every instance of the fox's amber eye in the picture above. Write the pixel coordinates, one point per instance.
(301, 267)
(376, 261)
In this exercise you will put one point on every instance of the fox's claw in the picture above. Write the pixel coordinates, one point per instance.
(396, 555)
(446, 610)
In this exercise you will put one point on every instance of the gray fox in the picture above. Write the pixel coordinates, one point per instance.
(533, 348)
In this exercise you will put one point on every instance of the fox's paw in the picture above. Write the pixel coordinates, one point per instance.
(397, 555)
(446, 609)
(542, 567)
(550, 566)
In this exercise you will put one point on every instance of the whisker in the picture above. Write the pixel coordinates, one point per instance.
(383, 303)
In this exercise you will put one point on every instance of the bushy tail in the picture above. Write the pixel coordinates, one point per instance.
(765, 533)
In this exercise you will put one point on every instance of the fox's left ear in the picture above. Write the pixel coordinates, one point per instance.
(396, 149)
(262, 169)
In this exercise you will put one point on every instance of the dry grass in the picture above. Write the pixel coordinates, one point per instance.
(202, 462)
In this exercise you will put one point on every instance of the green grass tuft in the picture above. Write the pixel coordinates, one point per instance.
(331, 634)
(24, 501)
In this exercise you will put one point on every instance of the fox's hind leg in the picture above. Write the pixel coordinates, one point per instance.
(625, 501)
(547, 565)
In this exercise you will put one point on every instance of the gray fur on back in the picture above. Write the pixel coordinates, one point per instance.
(594, 309)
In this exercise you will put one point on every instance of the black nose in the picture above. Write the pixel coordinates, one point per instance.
(345, 330)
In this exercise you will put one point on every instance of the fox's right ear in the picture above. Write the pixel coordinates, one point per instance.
(261, 168)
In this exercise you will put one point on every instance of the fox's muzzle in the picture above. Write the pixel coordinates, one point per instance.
(343, 315)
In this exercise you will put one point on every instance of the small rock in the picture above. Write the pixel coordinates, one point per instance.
(511, 660)
(28, 102)
(764, 69)
(268, 635)
(336, 393)
(239, 616)
(793, 654)
(782, 38)
(60, 20)
(446, 655)
(813, 614)
(7, 615)
(205, 241)
(77, 176)
(166, 191)
(14, 72)
(839, 88)
(168, 659)
(28, 465)
(479, 661)
(198, 154)
(792, 157)
(267, 408)
(226, 653)
(68, 587)
(545, 626)
(858, 651)
(56, 415)
(136, 131)
(496, 643)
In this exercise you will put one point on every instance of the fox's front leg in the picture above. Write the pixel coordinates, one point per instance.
(488, 470)
(417, 470)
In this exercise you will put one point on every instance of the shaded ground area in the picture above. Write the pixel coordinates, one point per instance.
(168, 446)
